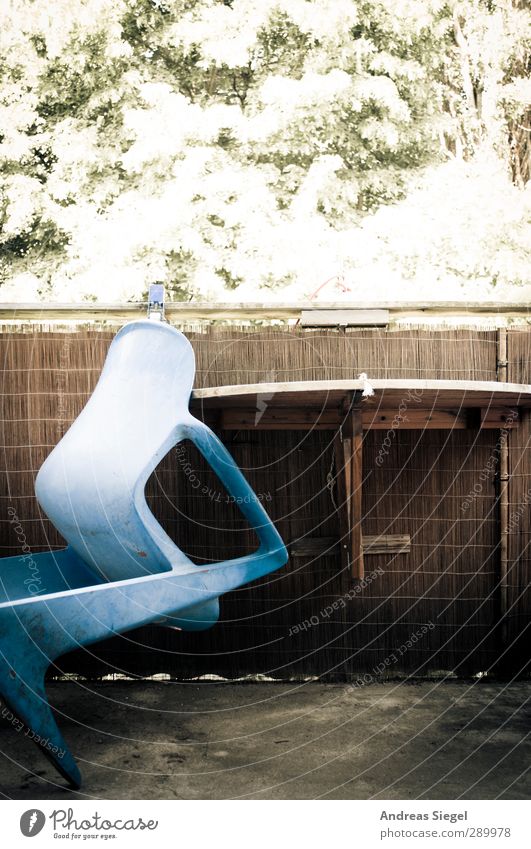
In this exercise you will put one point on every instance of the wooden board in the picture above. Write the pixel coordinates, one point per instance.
(381, 544)
(344, 318)
(311, 418)
(348, 452)
(399, 395)
(182, 312)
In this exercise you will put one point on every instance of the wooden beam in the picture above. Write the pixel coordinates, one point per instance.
(279, 418)
(414, 419)
(356, 504)
(342, 464)
(309, 418)
(500, 418)
(348, 449)
(452, 397)
(344, 318)
(381, 544)
(503, 496)
(183, 311)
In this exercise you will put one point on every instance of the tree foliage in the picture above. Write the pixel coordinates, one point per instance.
(232, 146)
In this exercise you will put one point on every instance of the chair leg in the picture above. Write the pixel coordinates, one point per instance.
(22, 671)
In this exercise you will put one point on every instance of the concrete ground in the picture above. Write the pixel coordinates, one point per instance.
(147, 740)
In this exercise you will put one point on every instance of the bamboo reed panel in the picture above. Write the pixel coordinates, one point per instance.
(447, 578)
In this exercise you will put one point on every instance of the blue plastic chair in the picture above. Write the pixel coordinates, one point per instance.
(120, 569)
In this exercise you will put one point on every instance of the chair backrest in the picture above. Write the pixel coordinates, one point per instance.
(92, 484)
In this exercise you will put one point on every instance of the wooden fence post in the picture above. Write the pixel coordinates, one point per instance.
(348, 446)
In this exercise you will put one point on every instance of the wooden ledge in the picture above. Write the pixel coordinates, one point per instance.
(321, 404)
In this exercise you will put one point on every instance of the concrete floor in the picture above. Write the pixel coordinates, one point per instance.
(136, 740)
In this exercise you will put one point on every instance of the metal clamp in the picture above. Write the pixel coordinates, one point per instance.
(155, 310)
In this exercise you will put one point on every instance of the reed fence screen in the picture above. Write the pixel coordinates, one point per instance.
(435, 608)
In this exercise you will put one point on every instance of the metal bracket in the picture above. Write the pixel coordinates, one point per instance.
(155, 310)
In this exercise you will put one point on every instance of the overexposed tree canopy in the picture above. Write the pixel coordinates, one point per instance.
(256, 149)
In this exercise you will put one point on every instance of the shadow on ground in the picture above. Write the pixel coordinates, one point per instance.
(145, 740)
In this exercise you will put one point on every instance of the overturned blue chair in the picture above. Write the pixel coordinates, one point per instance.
(120, 569)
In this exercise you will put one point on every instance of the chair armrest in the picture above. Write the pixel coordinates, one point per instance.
(237, 486)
